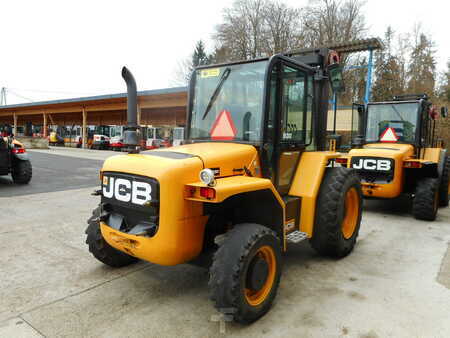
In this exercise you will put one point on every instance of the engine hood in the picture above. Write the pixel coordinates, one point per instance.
(390, 150)
(229, 158)
(183, 163)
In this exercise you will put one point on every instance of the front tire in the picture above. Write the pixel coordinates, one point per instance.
(100, 249)
(245, 273)
(444, 188)
(22, 172)
(338, 213)
(426, 199)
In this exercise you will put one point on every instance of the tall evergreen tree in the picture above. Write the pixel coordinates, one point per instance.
(199, 57)
(422, 66)
(387, 71)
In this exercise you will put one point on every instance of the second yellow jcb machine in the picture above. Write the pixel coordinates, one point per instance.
(397, 152)
(252, 176)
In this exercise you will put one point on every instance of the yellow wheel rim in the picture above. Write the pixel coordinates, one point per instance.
(256, 297)
(351, 213)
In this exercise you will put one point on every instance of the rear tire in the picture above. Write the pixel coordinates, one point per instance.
(338, 213)
(445, 184)
(21, 172)
(245, 273)
(100, 249)
(426, 199)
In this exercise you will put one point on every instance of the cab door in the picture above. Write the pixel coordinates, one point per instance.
(292, 105)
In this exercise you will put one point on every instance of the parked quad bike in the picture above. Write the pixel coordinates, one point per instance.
(14, 160)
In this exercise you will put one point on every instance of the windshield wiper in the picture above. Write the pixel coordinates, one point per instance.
(395, 109)
(216, 92)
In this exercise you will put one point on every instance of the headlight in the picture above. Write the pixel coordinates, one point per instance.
(207, 177)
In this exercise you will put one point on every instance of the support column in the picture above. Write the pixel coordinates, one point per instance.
(84, 134)
(45, 125)
(15, 124)
(369, 78)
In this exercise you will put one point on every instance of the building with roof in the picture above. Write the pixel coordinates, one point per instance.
(161, 107)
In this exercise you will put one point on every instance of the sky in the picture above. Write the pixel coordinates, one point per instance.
(51, 49)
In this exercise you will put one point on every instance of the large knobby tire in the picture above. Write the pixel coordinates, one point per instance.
(101, 249)
(245, 273)
(21, 172)
(426, 199)
(444, 188)
(338, 213)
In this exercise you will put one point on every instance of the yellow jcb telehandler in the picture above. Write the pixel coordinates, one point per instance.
(397, 152)
(253, 176)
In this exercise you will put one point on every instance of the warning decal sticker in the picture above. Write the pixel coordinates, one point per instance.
(223, 128)
(214, 72)
(389, 135)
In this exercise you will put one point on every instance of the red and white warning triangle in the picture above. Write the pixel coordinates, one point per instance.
(223, 128)
(389, 135)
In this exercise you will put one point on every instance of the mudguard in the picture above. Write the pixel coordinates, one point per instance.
(21, 157)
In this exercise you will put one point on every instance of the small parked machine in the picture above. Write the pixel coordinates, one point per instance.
(14, 160)
(396, 152)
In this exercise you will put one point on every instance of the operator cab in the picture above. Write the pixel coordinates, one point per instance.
(407, 119)
(267, 103)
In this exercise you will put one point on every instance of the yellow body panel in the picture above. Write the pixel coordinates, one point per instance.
(432, 154)
(180, 234)
(306, 184)
(181, 222)
(230, 186)
(395, 151)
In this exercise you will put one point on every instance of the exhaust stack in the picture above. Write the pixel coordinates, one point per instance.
(130, 134)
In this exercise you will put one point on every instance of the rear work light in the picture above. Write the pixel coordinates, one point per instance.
(18, 150)
(208, 193)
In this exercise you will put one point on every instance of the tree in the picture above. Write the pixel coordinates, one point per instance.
(388, 71)
(186, 67)
(199, 56)
(422, 67)
(256, 28)
(331, 21)
(327, 22)
(443, 91)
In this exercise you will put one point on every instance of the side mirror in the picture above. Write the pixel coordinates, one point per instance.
(335, 77)
(444, 111)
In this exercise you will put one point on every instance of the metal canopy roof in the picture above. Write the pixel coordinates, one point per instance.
(98, 97)
(347, 47)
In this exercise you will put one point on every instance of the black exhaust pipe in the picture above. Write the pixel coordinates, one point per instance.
(130, 134)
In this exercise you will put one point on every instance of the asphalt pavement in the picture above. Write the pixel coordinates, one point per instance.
(54, 173)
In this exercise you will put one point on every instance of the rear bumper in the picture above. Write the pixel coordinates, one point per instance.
(158, 249)
(380, 190)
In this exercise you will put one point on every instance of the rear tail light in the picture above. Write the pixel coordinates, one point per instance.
(208, 193)
(18, 150)
(342, 161)
(412, 164)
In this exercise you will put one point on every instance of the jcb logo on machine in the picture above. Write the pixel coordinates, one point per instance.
(127, 191)
(372, 164)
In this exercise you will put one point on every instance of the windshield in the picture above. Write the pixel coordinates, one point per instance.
(116, 131)
(400, 117)
(234, 94)
(102, 130)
